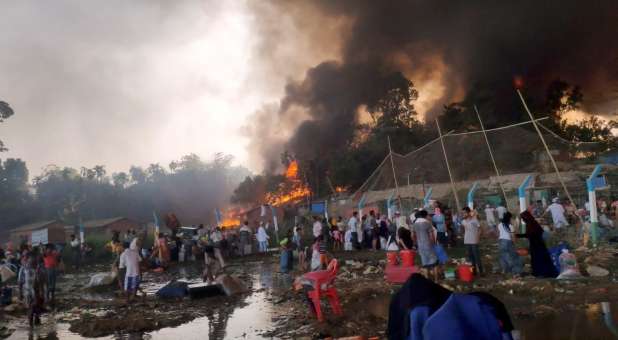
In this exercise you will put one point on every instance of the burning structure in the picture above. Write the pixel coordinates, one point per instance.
(291, 190)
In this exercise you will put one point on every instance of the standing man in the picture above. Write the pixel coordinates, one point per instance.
(317, 227)
(425, 241)
(501, 210)
(472, 233)
(76, 249)
(353, 228)
(50, 260)
(557, 214)
(129, 259)
(262, 238)
(217, 241)
(400, 220)
(244, 239)
(490, 216)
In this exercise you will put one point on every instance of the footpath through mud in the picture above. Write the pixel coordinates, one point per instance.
(541, 308)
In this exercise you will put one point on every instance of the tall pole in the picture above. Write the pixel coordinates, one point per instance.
(592, 199)
(553, 162)
(390, 152)
(448, 167)
(491, 154)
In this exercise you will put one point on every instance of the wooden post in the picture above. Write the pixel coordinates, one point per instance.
(448, 167)
(493, 161)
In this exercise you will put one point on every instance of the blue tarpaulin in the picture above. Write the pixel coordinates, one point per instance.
(317, 208)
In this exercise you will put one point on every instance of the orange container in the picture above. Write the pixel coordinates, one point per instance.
(391, 258)
(465, 273)
(407, 258)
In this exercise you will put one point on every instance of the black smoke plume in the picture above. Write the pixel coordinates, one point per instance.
(482, 45)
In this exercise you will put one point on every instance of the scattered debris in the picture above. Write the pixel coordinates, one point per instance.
(597, 271)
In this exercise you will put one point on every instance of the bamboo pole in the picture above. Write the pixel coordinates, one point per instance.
(390, 152)
(553, 162)
(491, 154)
(448, 167)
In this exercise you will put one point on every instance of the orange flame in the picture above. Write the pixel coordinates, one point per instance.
(293, 195)
(292, 171)
(340, 189)
(290, 191)
(230, 222)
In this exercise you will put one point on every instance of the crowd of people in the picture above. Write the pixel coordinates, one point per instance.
(37, 269)
(432, 230)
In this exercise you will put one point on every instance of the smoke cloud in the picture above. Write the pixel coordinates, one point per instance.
(447, 49)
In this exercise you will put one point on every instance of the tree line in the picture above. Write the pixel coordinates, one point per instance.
(190, 187)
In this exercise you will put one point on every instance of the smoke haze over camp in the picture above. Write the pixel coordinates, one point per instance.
(144, 82)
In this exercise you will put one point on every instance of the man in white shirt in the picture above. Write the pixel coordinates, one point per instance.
(130, 259)
(317, 226)
(557, 214)
(472, 230)
(501, 210)
(262, 238)
(353, 228)
(490, 216)
(400, 220)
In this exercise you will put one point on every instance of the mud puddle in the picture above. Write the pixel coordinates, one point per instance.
(248, 318)
(581, 324)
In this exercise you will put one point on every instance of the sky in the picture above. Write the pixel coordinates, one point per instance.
(124, 83)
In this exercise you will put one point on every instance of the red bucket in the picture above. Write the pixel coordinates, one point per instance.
(391, 258)
(465, 273)
(407, 258)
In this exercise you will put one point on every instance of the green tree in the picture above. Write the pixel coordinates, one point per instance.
(5, 112)
(120, 179)
(138, 175)
(15, 198)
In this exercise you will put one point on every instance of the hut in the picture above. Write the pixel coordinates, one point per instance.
(39, 233)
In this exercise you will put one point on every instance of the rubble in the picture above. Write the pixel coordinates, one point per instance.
(597, 271)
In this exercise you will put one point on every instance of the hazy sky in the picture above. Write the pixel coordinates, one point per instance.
(136, 82)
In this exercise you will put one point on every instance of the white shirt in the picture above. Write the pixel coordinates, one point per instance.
(557, 213)
(504, 233)
(490, 215)
(471, 230)
(401, 222)
(75, 243)
(130, 259)
(261, 235)
(352, 222)
(317, 228)
(216, 236)
(501, 211)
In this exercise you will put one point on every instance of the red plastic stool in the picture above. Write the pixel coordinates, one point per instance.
(391, 258)
(322, 281)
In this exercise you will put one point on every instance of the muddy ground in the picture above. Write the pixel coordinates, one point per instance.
(284, 314)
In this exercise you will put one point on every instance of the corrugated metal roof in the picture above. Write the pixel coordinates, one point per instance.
(34, 226)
